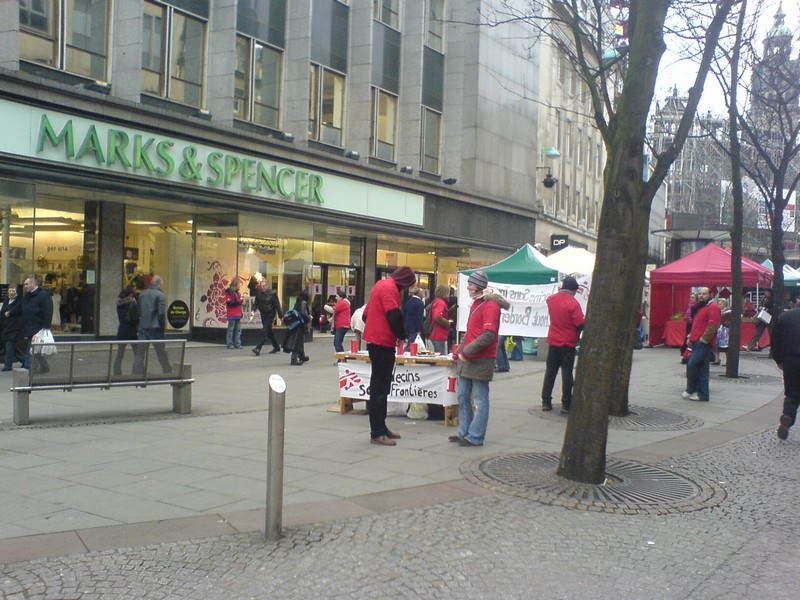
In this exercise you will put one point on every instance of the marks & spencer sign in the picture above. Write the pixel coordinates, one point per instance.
(67, 139)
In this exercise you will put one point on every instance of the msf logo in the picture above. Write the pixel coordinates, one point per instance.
(349, 380)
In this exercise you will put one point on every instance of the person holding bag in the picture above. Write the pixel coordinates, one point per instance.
(296, 321)
(233, 309)
(37, 316)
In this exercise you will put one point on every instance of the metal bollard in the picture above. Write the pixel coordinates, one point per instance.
(277, 420)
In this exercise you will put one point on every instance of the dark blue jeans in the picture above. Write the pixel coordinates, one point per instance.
(697, 369)
(338, 338)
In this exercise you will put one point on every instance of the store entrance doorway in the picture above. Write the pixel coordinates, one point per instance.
(325, 280)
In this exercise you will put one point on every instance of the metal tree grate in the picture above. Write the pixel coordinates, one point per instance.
(640, 418)
(630, 487)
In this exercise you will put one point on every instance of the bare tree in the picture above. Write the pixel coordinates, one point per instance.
(621, 101)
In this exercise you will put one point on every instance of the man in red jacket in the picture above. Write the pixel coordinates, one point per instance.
(705, 324)
(384, 327)
(566, 324)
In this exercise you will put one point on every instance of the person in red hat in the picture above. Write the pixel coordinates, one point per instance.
(383, 320)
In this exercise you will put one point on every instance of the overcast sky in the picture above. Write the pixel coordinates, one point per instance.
(681, 72)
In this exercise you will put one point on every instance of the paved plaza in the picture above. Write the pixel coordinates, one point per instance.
(107, 494)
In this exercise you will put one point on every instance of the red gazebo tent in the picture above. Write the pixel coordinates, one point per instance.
(710, 266)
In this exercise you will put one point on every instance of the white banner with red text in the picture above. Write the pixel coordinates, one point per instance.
(528, 316)
(430, 384)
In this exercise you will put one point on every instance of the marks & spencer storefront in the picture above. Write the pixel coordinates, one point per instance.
(93, 205)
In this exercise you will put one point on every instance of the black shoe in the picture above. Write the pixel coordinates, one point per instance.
(256, 351)
(274, 350)
(565, 410)
(296, 363)
(304, 359)
(546, 407)
(783, 428)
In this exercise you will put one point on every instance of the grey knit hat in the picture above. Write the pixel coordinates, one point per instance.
(479, 279)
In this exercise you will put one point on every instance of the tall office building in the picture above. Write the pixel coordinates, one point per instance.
(318, 143)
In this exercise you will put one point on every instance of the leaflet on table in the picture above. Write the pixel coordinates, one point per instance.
(410, 383)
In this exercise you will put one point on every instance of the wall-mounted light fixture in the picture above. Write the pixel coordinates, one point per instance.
(549, 181)
(352, 154)
(408, 170)
(450, 181)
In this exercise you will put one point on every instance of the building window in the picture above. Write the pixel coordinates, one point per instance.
(70, 35)
(387, 12)
(258, 82)
(431, 140)
(173, 54)
(326, 106)
(435, 37)
(383, 124)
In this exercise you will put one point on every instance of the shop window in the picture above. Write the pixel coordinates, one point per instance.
(383, 124)
(257, 82)
(431, 140)
(16, 210)
(173, 54)
(159, 243)
(69, 35)
(326, 106)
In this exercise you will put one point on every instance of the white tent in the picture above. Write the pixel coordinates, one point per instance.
(572, 260)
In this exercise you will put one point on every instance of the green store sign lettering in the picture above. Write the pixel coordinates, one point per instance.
(153, 157)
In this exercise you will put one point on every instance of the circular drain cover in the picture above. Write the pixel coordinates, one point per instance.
(640, 418)
(630, 487)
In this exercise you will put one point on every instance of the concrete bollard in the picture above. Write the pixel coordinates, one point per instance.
(275, 436)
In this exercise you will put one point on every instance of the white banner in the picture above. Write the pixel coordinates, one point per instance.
(429, 384)
(528, 316)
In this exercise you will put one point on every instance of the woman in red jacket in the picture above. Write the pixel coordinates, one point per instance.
(341, 319)
(233, 311)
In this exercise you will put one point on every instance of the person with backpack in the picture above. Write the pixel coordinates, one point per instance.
(296, 321)
(413, 316)
(128, 316)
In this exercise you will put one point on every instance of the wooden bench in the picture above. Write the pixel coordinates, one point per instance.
(86, 365)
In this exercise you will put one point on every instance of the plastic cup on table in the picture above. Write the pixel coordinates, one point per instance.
(353, 346)
(413, 349)
(400, 348)
(455, 350)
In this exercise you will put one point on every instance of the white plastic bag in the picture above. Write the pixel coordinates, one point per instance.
(45, 343)
(419, 342)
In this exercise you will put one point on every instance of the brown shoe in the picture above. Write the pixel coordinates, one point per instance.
(453, 438)
(392, 435)
(382, 441)
(466, 442)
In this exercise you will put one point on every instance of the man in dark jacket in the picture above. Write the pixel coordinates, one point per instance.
(268, 305)
(152, 321)
(37, 314)
(11, 326)
(785, 339)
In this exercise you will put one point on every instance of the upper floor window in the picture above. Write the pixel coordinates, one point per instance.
(383, 124)
(431, 140)
(257, 90)
(387, 12)
(326, 106)
(70, 35)
(173, 54)
(435, 36)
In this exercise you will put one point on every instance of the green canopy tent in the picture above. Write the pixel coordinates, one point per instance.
(791, 277)
(525, 267)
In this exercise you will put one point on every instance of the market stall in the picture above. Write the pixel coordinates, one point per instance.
(572, 260)
(428, 378)
(671, 285)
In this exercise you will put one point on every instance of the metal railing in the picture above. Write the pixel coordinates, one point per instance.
(107, 364)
